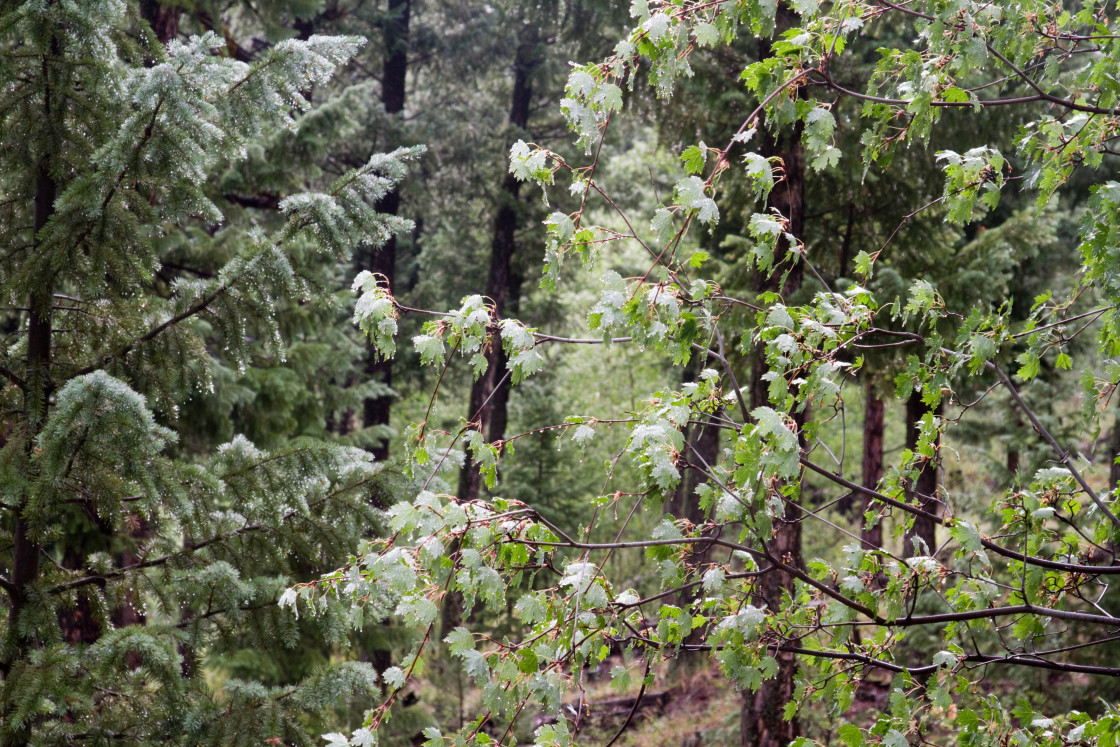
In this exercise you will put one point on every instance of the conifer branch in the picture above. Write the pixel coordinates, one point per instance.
(125, 349)
(13, 377)
(191, 548)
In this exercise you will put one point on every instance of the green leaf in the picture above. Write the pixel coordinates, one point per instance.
(620, 678)
(694, 158)
(895, 738)
(459, 640)
(527, 661)
(476, 666)
(954, 95)
(865, 265)
(706, 34)
(690, 193)
(393, 677)
(851, 735)
(662, 224)
(1029, 366)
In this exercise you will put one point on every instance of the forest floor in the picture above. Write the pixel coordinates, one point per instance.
(693, 708)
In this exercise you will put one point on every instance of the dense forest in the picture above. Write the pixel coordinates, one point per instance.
(695, 372)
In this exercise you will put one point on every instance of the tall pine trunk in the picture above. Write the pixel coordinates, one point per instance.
(376, 410)
(701, 453)
(874, 423)
(924, 488)
(762, 721)
(489, 398)
(1114, 454)
(164, 19)
(26, 549)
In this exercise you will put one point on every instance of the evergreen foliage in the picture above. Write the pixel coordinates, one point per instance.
(133, 545)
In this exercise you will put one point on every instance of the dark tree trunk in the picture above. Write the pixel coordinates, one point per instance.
(924, 488)
(1114, 454)
(164, 19)
(140, 530)
(846, 246)
(762, 717)
(874, 423)
(394, 67)
(26, 549)
(490, 394)
(762, 720)
(489, 400)
(700, 454)
(376, 411)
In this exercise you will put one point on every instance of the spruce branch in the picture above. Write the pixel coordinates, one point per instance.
(193, 547)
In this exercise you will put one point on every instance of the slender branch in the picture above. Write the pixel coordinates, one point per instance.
(578, 340)
(1018, 659)
(1042, 94)
(13, 377)
(634, 709)
(982, 659)
(1094, 313)
(1094, 570)
(1063, 455)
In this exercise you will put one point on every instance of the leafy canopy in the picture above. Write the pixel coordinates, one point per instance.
(1021, 585)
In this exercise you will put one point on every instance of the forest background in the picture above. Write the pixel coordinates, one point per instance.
(816, 447)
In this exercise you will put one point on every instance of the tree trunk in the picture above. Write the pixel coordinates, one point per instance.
(762, 717)
(762, 721)
(489, 398)
(26, 550)
(1114, 454)
(164, 19)
(383, 261)
(874, 423)
(700, 454)
(924, 488)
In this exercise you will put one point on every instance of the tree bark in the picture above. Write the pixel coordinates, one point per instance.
(164, 19)
(700, 454)
(1114, 454)
(376, 411)
(924, 488)
(762, 721)
(874, 423)
(488, 407)
(26, 548)
(489, 399)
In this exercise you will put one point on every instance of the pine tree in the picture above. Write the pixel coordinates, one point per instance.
(134, 546)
